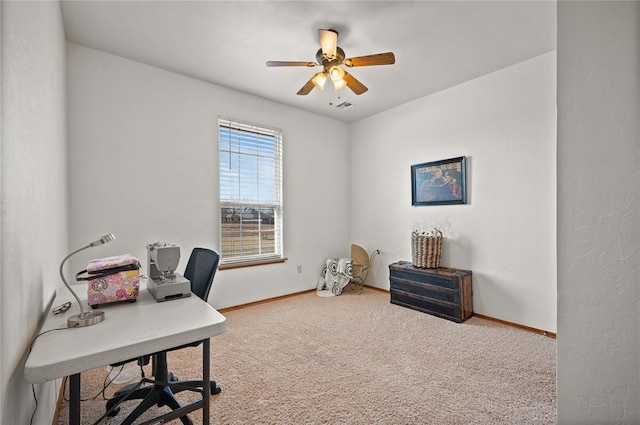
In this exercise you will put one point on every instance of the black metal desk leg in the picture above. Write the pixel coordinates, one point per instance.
(74, 399)
(206, 370)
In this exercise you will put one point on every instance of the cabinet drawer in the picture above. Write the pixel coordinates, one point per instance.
(436, 279)
(426, 290)
(427, 305)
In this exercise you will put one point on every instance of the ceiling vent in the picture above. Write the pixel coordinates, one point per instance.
(344, 105)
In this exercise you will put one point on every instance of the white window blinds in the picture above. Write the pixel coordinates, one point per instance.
(250, 163)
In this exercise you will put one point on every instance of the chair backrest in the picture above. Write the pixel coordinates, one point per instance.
(360, 257)
(200, 271)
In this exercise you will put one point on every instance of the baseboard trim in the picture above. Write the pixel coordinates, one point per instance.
(375, 288)
(517, 325)
(493, 319)
(56, 414)
(267, 300)
(281, 297)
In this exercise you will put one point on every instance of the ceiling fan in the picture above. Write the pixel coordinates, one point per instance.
(330, 56)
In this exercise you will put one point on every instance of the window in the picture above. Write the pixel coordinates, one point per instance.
(250, 159)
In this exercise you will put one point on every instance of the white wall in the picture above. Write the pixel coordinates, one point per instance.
(598, 338)
(598, 212)
(598, 317)
(505, 124)
(33, 194)
(143, 165)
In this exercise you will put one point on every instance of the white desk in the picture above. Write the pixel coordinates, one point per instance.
(129, 330)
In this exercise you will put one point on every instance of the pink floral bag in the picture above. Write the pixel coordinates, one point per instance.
(111, 279)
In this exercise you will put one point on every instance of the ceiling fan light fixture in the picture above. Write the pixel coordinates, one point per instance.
(338, 84)
(336, 73)
(319, 80)
(328, 43)
(331, 57)
(337, 77)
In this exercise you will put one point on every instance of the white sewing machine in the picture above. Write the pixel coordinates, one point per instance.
(164, 283)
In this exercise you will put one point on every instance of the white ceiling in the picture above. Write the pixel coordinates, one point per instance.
(437, 44)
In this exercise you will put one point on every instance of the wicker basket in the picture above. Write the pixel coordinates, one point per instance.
(426, 250)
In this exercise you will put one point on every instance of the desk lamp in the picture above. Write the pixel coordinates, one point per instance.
(85, 318)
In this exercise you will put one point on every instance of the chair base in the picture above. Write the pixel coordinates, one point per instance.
(154, 395)
(161, 393)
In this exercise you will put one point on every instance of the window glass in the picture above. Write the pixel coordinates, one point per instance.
(250, 163)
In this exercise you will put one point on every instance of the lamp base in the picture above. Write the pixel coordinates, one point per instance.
(87, 319)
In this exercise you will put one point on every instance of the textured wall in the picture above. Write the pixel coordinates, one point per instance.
(598, 212)
(33, 194)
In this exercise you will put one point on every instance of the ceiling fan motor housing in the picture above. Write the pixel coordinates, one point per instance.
(328, 63)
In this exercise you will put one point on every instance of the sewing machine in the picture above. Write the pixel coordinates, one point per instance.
(164, 283)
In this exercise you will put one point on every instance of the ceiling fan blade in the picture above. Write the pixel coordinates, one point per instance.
(306, 88)
(356, 86)
(291, 63)
(369, 60)
(328, 43)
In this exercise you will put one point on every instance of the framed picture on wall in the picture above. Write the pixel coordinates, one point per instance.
(439, 182)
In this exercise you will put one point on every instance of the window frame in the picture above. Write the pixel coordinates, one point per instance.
(231, 197)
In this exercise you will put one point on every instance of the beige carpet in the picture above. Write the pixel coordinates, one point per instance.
(357, 359)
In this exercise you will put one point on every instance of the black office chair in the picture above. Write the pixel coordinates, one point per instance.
(200, 271)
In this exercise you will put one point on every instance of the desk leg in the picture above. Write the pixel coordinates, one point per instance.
(206, 370)
(74, 399)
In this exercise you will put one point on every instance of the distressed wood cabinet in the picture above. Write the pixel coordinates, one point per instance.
(443, 292)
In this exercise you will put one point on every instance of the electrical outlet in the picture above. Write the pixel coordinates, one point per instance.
(299, 268)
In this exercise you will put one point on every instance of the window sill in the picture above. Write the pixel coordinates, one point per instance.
(250, 264)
